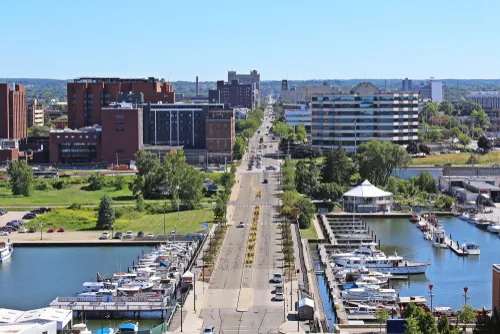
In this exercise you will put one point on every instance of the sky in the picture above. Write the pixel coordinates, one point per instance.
(294, 39)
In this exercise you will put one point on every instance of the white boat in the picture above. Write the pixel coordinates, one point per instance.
(439, 239)
(428, 236)
(473, 219)
(464, 216)
(96, 286)
(421, 224)
(370, 280)
(393, 264)
(129, 327)
(471, 248)
(6, 250)
(364, 310)
(361, 251)
(494, 228)
(129, 289)
(80, 328)
(100, 293)
(370, 292)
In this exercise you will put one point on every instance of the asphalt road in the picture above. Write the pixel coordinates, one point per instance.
(240, 300)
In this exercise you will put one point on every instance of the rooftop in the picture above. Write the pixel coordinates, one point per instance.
(115, 80)
(366, 190)
(87, 129)
(483, 185)
(496, 267)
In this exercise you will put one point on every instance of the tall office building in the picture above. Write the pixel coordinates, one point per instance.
(488, 99)
(252, 77)
(13, 107)
(407, 85)
(35, 113)
(433, 90)
(87, 96)
(363, 114)
(234, 93)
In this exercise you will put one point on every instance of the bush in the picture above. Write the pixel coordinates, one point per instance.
(58, 185)
(43, 186)
(119, 182)
(96, 182)
(75, 206)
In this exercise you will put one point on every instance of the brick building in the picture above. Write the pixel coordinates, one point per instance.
(9, 150)
(87, 96)
(121, 134)
(495, 302)
(35, 114)
(220, 135)
(13, 109)
(81, 146)
(235, 94)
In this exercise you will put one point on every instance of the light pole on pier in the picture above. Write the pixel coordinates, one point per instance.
(431, 294)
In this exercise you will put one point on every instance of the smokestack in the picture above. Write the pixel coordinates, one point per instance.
(197, 87)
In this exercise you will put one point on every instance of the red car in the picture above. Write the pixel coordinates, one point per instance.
(61, 229)
(51, 230)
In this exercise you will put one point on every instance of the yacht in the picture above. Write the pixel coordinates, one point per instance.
(370, 280)
(6, 249)
(363, 310)
(362, 251)
(80, 329)
(464, 216)
(471, 248)
(129, 326)
(100, 293)
(370, 293)
(494, 228)
(473, 220)
(393, 264)
(439, 239)
(96, 286)
(483, 225)
(421, 224)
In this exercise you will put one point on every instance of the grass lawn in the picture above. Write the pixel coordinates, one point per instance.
(309, 233)
(81, 220)
(490, 158)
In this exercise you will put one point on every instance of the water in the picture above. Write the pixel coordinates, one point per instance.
(448, 272)
(410, 172)
(34, 277)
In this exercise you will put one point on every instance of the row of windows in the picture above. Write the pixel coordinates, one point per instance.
(181, 128)
(363, 105)
(365, 127)
(73, 137)
(349, 143)
(365, 113)
(364, 135)
(362, 120)
(365, 98)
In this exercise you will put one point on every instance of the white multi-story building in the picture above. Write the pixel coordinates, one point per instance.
(296, 114)
(363, 114)
(433, 90)
(303, 94)
(489, 100)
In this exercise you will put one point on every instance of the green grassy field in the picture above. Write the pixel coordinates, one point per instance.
(309, 233)
(492, 157)
(85, 220)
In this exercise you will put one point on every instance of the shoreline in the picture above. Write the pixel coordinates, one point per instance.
(83, 243)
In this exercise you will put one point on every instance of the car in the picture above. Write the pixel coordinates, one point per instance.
(279, 296)
(277, 278)
(129, 235)
(118, 235)
(274, 138)
(105, 235)
(29, 215)
(44, 209)
(61, 229)
(51, 230)
(278, 288)
(151, 235)
(23, 230)
(32, 229)
(241, 224)
(140, 234)
(4, 233)
(7, 229)
(2, 212)
(209, 330)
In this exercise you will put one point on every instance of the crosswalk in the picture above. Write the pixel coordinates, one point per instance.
(250, 206)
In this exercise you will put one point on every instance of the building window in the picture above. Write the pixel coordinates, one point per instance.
(120, 129)
(95, 136)
(120, 150)
(66, 137)
(58, 137)
(86, 137)
(120, 116)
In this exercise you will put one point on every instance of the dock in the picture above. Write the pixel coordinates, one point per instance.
(455, 247)
(116, 304)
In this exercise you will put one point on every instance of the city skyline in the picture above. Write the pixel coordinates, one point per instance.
(298, 41)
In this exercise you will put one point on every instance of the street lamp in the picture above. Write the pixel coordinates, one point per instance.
(41, 228)
(431, 294)
(465, 295)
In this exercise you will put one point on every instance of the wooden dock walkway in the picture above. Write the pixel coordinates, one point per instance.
(122, 304)
(454, 246)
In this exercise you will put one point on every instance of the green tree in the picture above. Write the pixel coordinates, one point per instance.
(413, 310)
(464, 140)
(411, 326)
(119, 182)
(106, 213)
(306, 178)
(455, 132)
(46, 120)
(381, 315)
(288, 172)
(476, 132)
(465, 108)
(435, 135)
(480, 119)
(96, 181)
(421, 135)
(139, 203)
(447, 108)
(220, 208)
(20, 177)
(444, 326)
(466, 315)
(337, 166)
(239, 148)
(425, 182)
(330, 191)
(427, 323)
(484, 143)
(300, 132)
(430, 110)
(38, 131)
(377, 160)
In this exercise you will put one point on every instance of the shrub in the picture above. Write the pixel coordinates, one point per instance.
(58, 185)
(119, 182)
(43, 186)
(96, 182)
(75, 206)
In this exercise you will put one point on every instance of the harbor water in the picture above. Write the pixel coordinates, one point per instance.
(34, 277)
(448, 273)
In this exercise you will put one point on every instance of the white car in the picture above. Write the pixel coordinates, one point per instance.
(279, 296)
(277, 278)
(4, 233)
(151, 235)
(105, 235)
(23, 230)
(241, 225)
(129, 235)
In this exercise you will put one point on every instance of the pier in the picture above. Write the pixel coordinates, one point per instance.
(455, 247)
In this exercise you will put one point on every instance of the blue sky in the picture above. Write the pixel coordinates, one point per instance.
(298, 39)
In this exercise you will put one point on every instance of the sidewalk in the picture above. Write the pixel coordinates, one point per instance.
(191, 322)
(319, 231)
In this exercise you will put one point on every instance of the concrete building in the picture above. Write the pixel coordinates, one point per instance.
(407, 85)
(303, 94)
(235, 94)
(9, 150)
(121, 133)
(220, 136)
(433, 90)
(495, 300)
(35, 113)
(489, 100)
(13, 108)
(252, 77)
(297, 113)
(87, 96)
(363, 114)
(81, 146)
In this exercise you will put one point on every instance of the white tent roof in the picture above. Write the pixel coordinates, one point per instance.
(366, 190)
(188, 274)
(306, 301)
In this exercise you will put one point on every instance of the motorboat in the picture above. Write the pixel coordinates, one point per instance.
(363, 310)
(128, 290)
(464, 216)
(482, 225)
(80, 328)
(124, 276)
(129, 326)
(143, 286)
(96, 286)
(100, 293)
(6, 250)
(471, 248)
(439, 239)
(414, 218)
(370, 293)
(361, 251)
(473, 219)
(393, 264)
(105, 330)
(421, 224)
(370, 280)
(494, 228)
(428, 235)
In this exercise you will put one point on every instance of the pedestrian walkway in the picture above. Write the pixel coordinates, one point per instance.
(319, 231)
(191, 322)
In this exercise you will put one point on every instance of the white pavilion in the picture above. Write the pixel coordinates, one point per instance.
(366, 198)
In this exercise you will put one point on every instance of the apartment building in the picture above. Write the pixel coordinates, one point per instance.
(363, 114)
(489, 100)
(35, 113)
(235, 94)
(296, 114)
(303, 94)
(252, 77)
(87, 96)
(220, 135)
(13, 108)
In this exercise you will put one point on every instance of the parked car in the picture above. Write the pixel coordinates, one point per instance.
(4, 233)
(61, 229)
(118, 235)
(278, 288)
(44, 209)
(51, 230)
(7, 229)
(209, 330)
(129, 235)
(279, 296)
(241, 224)
(2, 212)
(151, 235)
(277, 278)
(105, 235)
(29, 215)
(23, 230)
(32, 229)
(140, 234)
